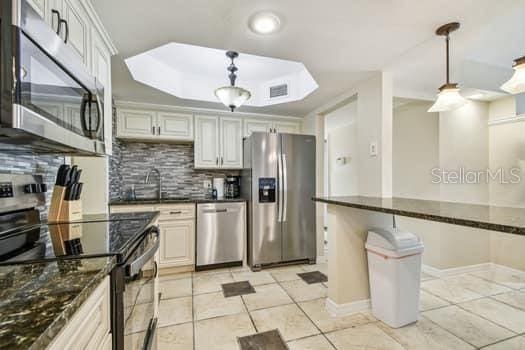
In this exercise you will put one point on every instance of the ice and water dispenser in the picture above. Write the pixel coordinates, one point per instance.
(267, 190)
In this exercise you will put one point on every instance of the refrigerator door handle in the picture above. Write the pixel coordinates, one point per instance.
(285, 188)
(280, 188)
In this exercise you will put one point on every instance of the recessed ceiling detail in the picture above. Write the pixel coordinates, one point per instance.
(194, 72)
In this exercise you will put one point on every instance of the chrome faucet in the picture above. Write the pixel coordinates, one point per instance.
(160, 180)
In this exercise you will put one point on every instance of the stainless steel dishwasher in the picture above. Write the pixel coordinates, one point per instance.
(221, 232)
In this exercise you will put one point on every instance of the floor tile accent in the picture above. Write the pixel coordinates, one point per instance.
(221, 333)
(499, 313)
(299, 290)
(449, 291)
(268, 295)
(234, 289)
(175, 288)
(210, 282)
(516, 299)
(517, 343)
(179, 337)
(316, 311)
(368, 336)
(317, 342)
(215, 304)
(289, 319)
(270, 340)
(175, 311)
(428, 301)
(467, 326)
(322, 267)
(255, 278)
(313, 277)
(425, 335)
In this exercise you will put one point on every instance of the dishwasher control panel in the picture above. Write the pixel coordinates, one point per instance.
(267, 190)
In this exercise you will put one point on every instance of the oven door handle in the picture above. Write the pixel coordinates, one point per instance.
(134, 267)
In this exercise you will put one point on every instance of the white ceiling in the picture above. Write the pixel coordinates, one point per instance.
(339, 41)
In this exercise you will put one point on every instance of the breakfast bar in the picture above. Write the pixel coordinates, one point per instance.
(350, 218)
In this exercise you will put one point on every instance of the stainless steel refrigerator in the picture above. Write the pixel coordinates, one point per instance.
(279, 182)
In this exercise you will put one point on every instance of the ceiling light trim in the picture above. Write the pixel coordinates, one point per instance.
(264, 23)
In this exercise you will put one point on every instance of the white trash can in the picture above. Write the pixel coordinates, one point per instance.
(394, 268)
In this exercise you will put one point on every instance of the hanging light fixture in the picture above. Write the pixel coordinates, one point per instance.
(232, 96)
(516, 84)
(449, 97)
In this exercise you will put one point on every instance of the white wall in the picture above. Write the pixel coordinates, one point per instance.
(343, 178)
(415, 151)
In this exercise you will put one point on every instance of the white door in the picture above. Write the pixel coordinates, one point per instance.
(286, 127)
(174, 126)
(231, 143)
(136, 124)
(256, 126)
(177, 243)
(101, 69)
(76, 29)
(206, 142)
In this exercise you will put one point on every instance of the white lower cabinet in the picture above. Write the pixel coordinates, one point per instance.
(90, 326)
(177, 232)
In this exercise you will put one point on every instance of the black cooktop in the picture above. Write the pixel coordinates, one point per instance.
(95, 235)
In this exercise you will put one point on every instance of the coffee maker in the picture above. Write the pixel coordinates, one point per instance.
(232, 188)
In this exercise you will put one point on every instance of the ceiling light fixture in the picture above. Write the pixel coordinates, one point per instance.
(449, 97)
(232, 96)
(264, 23)
(516, 84)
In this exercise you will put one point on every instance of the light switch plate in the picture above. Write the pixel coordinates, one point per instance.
(373, 149)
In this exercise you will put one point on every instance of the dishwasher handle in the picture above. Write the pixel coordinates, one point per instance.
(213, 211)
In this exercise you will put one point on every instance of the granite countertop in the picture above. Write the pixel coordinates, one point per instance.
(503, 219)
(191, 200)
(38, 300)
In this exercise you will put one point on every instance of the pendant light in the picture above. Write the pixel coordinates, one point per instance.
(516, 84)
(232, 96)
(448, 98)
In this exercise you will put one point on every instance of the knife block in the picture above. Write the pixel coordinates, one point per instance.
(61, 210)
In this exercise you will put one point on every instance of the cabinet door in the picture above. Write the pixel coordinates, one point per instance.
(136, 124)
(79, 30)
(231, 143)
(40, 6)
(287, 127)
(54, 8)
(176, 127)
(206, 142)
(177, 243)
(256, 126)
(101, 68)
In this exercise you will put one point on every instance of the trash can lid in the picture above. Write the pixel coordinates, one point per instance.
(392, 239)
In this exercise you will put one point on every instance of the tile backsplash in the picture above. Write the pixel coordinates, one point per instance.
(131, 161)
(45, 165)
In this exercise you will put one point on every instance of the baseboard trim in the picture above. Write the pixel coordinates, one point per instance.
(508, 269)
(340, 310)
(442, 273)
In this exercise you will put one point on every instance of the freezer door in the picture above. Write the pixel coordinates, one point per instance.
(264, 235)
(298, 226)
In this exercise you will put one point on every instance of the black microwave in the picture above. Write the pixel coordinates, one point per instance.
(50, 102)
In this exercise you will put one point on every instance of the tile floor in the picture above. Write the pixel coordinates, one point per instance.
(471, 311)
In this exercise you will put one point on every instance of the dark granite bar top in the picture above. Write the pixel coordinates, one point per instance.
(503, 219)
(143, 215)
(38, 300)
(195, 200)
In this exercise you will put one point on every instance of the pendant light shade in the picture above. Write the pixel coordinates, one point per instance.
(232, 96)
(516, 84)
(449, 97)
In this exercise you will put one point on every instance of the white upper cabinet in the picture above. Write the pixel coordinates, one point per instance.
(206, 142)
(251, 125)
(175, 126)
(269, 125)
(286, 127)
(40, 7)
(218, 142)
(75, 29)
(231, 143)
(136, 124)
(148, 125)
